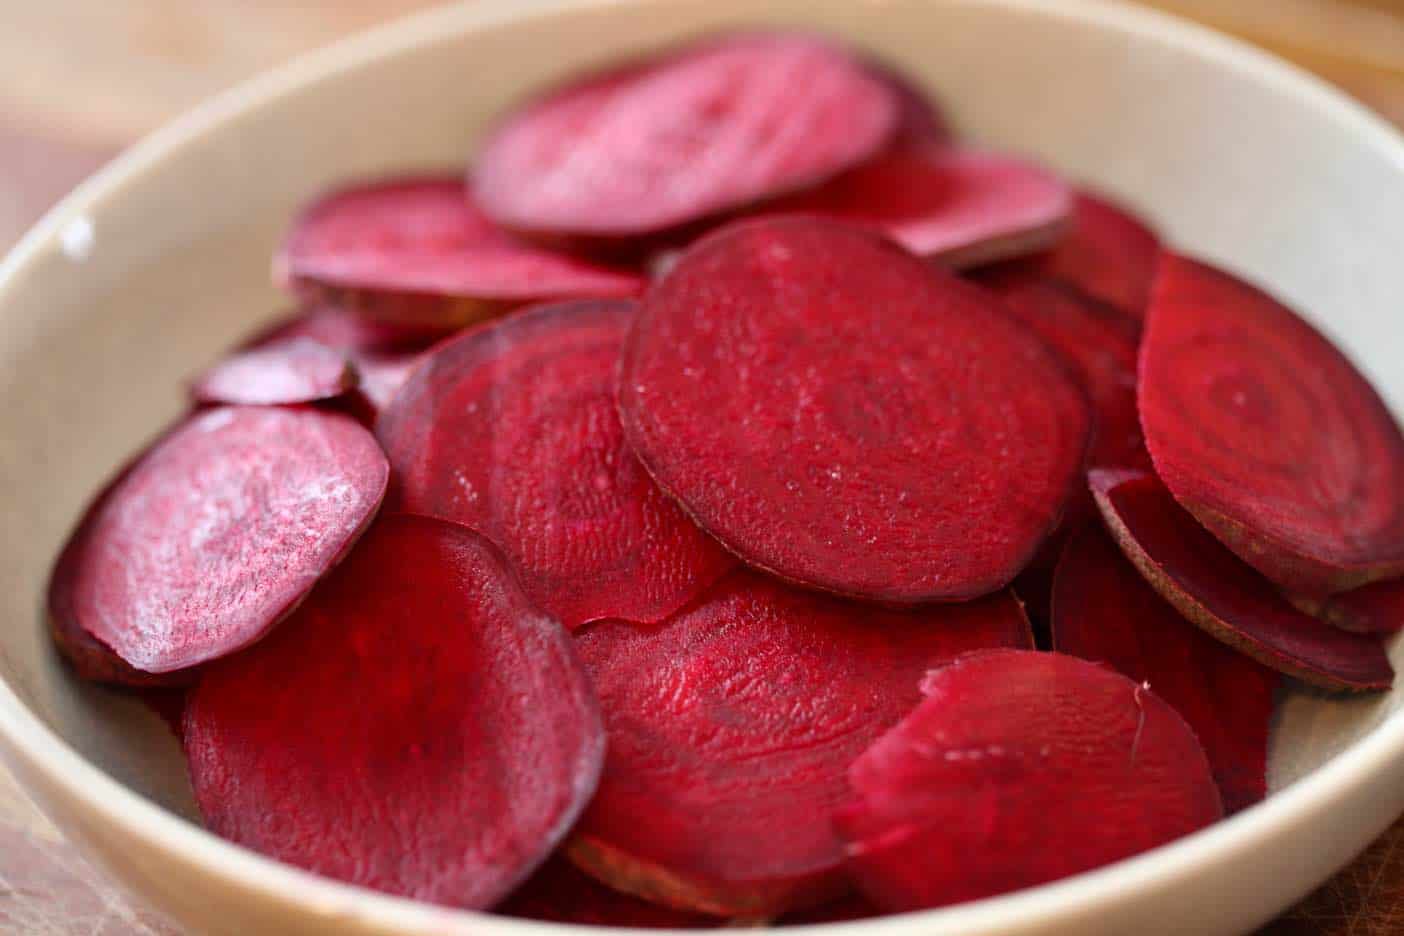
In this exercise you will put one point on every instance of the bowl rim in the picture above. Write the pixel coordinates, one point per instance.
(33, 745)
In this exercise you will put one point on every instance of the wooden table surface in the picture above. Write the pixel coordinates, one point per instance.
(80, 79)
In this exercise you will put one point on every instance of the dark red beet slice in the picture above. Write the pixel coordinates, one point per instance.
(217, 532)
(821, 401)
(561, 893)
(1099, 342)
(1268, 435)
(1372, 609)
(1104, 611)
(419, 250)
(960, 207)
(1108, 253)
(731, 726)
(417, 727)
(1220, 593)
(511, 429)
(300, 370)
(702, 130)
(1019, 768)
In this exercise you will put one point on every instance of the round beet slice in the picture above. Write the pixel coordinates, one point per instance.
(217, 532)
(701, 130)
(299, 370)
(844, 415)
(731, 726)
(1104, 611)
(1268, 434)
(561, 893)
(511, 429)
(1019, 768)
(419, 250)
(1217, 591)
(417, 727)
(960, 207)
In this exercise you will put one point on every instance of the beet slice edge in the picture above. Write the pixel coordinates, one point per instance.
(299, 370)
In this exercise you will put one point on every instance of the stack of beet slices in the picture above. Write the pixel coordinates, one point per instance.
(638, 531)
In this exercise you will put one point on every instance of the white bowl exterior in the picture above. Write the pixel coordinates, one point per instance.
(159, 262)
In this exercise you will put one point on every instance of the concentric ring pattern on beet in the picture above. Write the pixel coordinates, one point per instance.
(732, 498)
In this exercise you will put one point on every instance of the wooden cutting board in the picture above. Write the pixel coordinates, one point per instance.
(147, 60)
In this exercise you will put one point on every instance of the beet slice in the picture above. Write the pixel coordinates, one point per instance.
(703, 129)
(217, 532)
(561, 893)
(821, 401)
(344, 330)
(844, 910)
(1268, 434)
(511, 429)
(1108, 253)
(731, 726)
(1020, 768)
(1377, 608)
(1104, 611)
(1221, 594)
(919, 120)
(299, 370)
(417, 727)
(419, 250)
(382, 376)
(959, 207)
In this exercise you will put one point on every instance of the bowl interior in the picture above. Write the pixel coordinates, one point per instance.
(151, 274)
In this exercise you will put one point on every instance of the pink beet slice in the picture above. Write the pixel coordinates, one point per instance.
(344, 330)
(844, 415)
(1104, 611)
(217, 532)
(511, 430)
(418, 727)
(1268, 435)
(960, 207)
(1377, 608)
(419, 250)
(561, 893)
(1099, 342)
(1019, 768)
(300, 370)
(1221, 594)
(1108, 253)
(731, 726)
(701, 130)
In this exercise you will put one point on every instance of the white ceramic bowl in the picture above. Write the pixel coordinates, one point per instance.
(162, 259)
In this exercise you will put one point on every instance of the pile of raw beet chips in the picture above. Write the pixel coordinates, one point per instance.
(642, 532)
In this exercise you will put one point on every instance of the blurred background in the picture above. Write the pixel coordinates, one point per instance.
(81, 79)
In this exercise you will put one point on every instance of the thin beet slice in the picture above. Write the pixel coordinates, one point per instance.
(959, 207)
(1108, 253)
(561, 893)
(417, 727)
(344, 330)
(419, 250)
(1220, 593)
(1099, 342)
(838, 412)
(1104, 611)
(217, 532)
(701, 130)
(731, 726)
(1020, 768)
(1269, 435)
(299, 370)
(1377, 608)
(511, 429)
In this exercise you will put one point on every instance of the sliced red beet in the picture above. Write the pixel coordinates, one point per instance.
(731, 726)
(419, 250)
(561, 893)
(1269, 435)
(1104, 611)
(417, 727)
(299, 370)
(511, 429)
(217, 532)
(701, 130)
(382, 376)
(344, 330)
(1020, 768)
(1221, 594)
(1108, 253)
(960, 207)
(919, 120)
(1372, 609)
(825, 404)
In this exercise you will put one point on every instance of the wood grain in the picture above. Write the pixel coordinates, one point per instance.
(81, 78)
